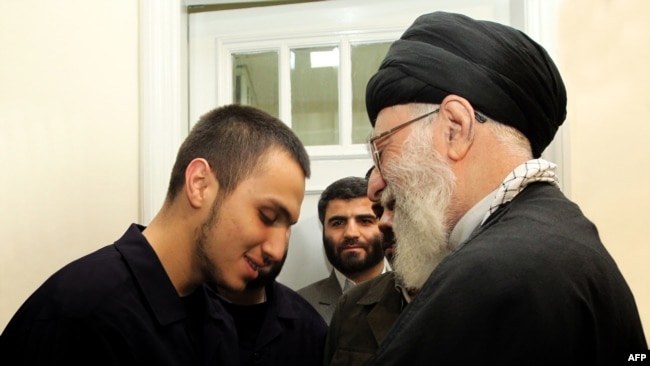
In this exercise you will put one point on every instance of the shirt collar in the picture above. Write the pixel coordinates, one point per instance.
(387, 266)
(470, 221)
(535, 170)
(154, 283)
(341, 278)
(150, 276)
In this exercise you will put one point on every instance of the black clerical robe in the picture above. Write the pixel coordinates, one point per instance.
(533, 286)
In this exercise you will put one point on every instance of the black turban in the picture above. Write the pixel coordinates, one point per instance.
(501, 71)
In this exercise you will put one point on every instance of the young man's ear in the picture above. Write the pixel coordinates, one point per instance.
(459, 132)
(199, 181)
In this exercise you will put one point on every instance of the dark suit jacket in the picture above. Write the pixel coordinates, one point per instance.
(323, 295)
(362, 318)
(533, 285)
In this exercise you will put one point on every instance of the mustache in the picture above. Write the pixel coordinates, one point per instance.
(350, 242)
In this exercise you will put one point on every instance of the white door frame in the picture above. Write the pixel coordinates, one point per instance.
(164, 89)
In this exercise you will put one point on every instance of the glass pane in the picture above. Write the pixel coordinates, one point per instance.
(314, 95)
(255, 81)
(366, 59)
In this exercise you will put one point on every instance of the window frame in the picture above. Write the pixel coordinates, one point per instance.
(164, 79)
(227, 46)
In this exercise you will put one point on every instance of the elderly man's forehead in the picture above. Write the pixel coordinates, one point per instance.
(392, 116)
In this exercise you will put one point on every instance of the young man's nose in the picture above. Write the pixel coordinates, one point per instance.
(276, 245)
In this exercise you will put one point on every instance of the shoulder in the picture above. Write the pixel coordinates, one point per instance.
(286, 295)
(539, 225)
(84, 284)
(95, 272)
(293, 305)
(316, 287)
(542, 211)
(383, 280)
(88, 293)
(533, 246)
(372, 290)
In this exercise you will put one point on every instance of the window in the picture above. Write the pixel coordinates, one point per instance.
(315, 78)
(255, 80)
(217, 40)
(308, 64)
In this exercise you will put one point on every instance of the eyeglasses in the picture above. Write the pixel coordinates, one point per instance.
(372, 143)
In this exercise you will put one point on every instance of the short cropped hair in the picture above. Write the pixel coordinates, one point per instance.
(343, 189)
(234, 139)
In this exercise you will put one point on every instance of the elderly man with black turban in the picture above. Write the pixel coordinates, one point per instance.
(498, 266)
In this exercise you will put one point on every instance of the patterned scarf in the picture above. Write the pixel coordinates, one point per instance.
(536, 170)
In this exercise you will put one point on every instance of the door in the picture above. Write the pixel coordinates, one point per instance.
(308, 64)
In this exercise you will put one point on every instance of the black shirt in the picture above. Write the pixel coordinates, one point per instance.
(248, 321)
(117, 306)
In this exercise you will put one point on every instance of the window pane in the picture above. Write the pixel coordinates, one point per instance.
(255, 81)
(366, 59)
(314, 95)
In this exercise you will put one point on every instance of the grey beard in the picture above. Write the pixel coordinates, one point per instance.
(421, 183)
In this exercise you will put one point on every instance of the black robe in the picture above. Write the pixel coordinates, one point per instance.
(533, 286)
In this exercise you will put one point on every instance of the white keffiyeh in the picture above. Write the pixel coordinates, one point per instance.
(536, 170)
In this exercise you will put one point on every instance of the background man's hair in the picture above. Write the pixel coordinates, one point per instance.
(344, 189)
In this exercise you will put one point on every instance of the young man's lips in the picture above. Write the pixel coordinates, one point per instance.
(253, 266)
(256, 263)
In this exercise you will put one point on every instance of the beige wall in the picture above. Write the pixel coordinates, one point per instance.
(69, 132)
(68, 135)
(604, 49)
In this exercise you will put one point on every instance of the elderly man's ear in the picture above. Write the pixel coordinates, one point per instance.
(457, 115)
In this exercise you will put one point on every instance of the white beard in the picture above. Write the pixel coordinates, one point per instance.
(421, 183)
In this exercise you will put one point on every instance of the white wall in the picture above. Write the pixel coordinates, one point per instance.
(69, 132)
(604, 53)
(68, 135)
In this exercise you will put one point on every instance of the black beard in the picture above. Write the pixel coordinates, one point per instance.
(353, 265)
